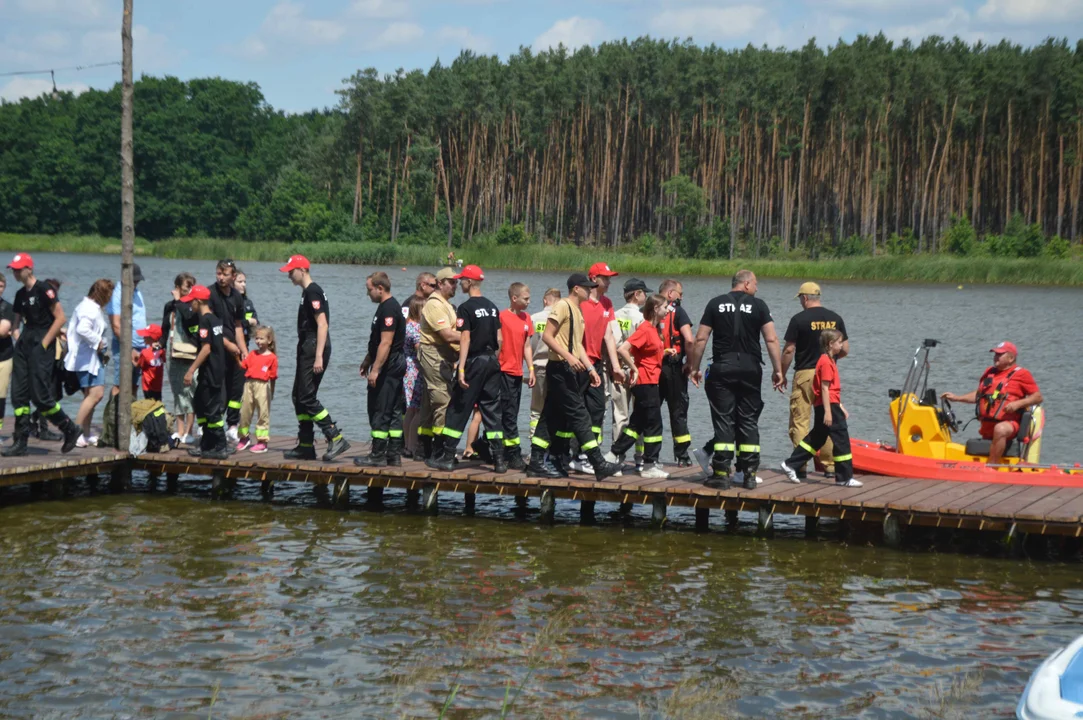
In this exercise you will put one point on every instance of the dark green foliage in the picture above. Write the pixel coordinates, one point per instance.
(1057, 247)
(509, 234)
(960, 238)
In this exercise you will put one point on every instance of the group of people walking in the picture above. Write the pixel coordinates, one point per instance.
(431, 365)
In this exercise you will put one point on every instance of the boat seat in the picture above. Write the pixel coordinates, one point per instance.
(980, 446)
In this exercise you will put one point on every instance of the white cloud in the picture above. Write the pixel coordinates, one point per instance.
(463, 38)
(72, 11)
(151, 51)
(954, 22)
(286, 21)
(573, 33)
(708, 23)
(1031, 11)
(397, 33)
(22, 87)
(51, 42)
(379, 9)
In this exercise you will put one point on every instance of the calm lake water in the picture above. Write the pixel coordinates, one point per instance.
(145, 605)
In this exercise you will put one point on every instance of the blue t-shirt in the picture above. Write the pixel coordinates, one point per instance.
(139, 317)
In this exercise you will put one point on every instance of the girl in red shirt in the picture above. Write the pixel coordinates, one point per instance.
(260, 373)
(829, 417)
(643, 352)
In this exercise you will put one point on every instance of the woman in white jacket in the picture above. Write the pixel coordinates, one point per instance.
(86, 336)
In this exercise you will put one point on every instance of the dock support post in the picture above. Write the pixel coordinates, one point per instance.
(625, 508)
(731, 519)
(92, 482)
(658, 511)
(172, 481)
(55, 488)
(121, 478)
(548, 506)
(219, 486)
(586, 512)
(893, 532)
(374, 497)
(703, 519)
(521, 502)
(431, 499)
(341, 495)
(811, 523)
(267, 489)
(469, 501)
(765, 518)
(413, 499)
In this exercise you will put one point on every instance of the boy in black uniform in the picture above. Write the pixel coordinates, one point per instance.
(250, 319)
(228, 306)
(209, 397)
(384, 367)
(673, 386)
(737, 319)
(313, 355)
(35, 358)
(479, 379)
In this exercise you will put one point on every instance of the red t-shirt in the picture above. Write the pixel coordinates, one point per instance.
(597, 314)
(515, 328)
(260, 367)
(152, 363)
(1018, 387)
(647, 351)
(826, 372)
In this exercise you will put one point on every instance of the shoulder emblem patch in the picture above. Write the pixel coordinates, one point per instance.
(315, 304)
(50, 294)
(389, 321)
(459, 322)
(203, 332)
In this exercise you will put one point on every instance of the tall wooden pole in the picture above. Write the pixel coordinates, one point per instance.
(127, 237)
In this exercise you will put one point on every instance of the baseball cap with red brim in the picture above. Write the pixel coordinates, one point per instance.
(471, 272)
(20, 261)
(601, 269)
(1005, 347)
(296, 262)
(152, 331)
(198, 292)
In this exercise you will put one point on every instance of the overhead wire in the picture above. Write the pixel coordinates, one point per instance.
(60, 69)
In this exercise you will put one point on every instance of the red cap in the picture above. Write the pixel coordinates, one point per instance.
(198, 292)
(471, 272)
(295, 262)
(601, 270)
(1005, 347)
(152, 331)
(20, 261)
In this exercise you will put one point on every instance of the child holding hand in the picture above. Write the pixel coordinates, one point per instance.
(829, 417)
(260, 373)
(151, 361)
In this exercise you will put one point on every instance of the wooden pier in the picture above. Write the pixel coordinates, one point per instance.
(892, 503)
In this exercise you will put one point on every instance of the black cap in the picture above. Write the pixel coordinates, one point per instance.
(634, 284)
(137, 273)
(580, 280)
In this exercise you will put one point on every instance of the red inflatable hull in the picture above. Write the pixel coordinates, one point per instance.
(879, 459)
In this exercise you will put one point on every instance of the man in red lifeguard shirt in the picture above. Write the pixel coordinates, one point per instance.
(1004, 391)
(598, 314)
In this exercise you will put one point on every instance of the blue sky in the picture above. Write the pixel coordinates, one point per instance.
(299, 51)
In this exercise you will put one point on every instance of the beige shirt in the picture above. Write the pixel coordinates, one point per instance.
(437, 314)
(566, 316)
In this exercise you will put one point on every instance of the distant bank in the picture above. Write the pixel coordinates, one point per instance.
(911, 268)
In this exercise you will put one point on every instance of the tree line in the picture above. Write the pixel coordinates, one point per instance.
(869, 146)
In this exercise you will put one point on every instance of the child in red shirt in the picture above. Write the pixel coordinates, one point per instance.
(151, 362)
(829, 417)
(643, 352)
(516, 329)
(260, 373)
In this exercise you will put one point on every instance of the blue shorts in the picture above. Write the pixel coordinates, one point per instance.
(89, 380)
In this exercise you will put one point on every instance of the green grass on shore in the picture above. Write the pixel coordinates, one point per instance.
(910, 268)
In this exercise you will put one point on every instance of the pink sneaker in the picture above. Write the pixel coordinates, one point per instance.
(258, 447)
(243, 443)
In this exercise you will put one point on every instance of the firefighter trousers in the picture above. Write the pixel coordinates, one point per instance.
(482, 375)
(209, 403)
(733, 392)
(386, 400)
(565, 414)
(509, 408)
(32, 382)
(595, 400)
(306, 386)
(234, 388)
(839, 434)
(645, 425)
(673, 391)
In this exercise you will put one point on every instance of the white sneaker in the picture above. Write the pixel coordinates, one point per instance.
(654, 472)
(610, 457)
(92, 441)
(851, 483)
(189, 439)
(231, 434)
(81, 442)
(581, 466)
(791, 474)
(703, 459)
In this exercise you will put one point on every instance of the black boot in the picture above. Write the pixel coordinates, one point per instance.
(71, 434)
(377, 457)
(303, 451)
(394, 452)
(424, 448)
(539, 466)
(482, 451)
(719, 478)
(18, 438)
(443, 454)
(750, 477)
(602, 468)
(500, 463)
(560, 462)
(40, 428)
(514, 458)
(336, 444)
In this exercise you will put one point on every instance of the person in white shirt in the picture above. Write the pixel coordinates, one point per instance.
(628, 318)
(86, 339)
(541, 356)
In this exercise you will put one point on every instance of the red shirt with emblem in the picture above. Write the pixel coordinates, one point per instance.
(1017, 387)
(515, 328)
(260, 366)
(647, 351)
(597, 314)
(826, 372)
(152, 363)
